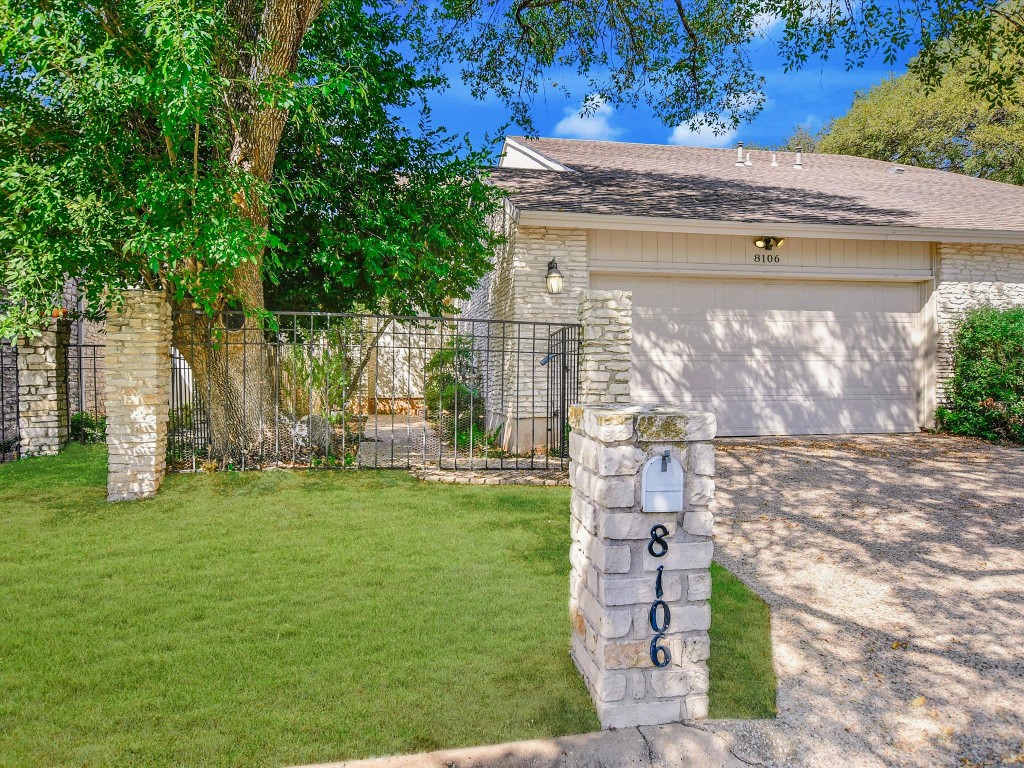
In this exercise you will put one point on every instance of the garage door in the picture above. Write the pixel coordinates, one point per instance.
(772, 357)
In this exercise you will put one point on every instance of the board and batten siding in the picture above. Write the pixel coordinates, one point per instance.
(621, 248)
(835, 336)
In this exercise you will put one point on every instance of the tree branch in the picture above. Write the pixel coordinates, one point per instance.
(171, 154)
(1016, 22)
(694, 39)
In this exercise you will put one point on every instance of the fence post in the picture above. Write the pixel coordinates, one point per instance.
(605, 367)
(641, 555)
(43, 390)
(138, 383)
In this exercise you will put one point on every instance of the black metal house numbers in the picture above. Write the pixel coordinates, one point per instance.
(660, 615)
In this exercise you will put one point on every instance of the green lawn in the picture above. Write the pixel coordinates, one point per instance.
(742, 676)
(283, 617)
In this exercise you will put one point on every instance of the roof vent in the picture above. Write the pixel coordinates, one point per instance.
(775, 160)
(799, 164)
(739, 153)
(747, 161)
(898, 170)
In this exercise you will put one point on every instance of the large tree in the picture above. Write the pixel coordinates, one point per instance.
(213, 148)
(217, 149)
(952, 127)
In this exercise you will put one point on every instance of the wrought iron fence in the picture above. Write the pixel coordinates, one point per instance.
(85, 369)
(9, 435)
(337, 390)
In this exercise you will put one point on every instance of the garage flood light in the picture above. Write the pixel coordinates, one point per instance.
(769, 243)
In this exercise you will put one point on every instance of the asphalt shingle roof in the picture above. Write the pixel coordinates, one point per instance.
(705, 184)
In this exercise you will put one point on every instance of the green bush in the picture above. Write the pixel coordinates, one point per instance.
(986, 393)
(86, 428)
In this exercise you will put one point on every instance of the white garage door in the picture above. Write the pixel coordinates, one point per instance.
(775, 357)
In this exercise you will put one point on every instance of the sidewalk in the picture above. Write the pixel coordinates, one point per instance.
(656, 746)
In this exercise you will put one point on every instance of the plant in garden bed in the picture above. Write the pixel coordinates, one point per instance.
(87, 428)
(985, 397)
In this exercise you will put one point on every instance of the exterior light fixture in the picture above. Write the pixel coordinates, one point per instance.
(769, 243)
(553, 278)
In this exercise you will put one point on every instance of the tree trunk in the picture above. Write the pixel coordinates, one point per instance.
(236, 382)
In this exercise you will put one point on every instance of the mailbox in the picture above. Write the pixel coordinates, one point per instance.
(661, 485)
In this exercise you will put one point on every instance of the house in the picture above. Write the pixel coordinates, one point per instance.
(788, 293)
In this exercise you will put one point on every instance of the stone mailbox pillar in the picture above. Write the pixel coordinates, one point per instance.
(641, 554)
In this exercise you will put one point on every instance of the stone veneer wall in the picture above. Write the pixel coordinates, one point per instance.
(970, 275)
(42, 390)
(613, 577)
(138, 392)
(605, 363)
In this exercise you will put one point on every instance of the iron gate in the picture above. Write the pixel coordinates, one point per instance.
(373, 391)
(563, 386)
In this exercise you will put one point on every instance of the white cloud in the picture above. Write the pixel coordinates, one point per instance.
(704, 136)
(765, 23)
(811, 123)
(594, 124)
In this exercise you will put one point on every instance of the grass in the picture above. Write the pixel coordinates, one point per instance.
(742, 676)
(279, 618)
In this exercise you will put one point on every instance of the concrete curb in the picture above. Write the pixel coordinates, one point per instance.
(656, 746)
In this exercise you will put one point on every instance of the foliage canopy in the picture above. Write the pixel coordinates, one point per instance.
(695, 61)
(951, 127)
(154, 142)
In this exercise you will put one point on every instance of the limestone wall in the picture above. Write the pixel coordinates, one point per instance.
(138, 391)
(969, 275)
(615, 564)
(42, 390)
(605, 361)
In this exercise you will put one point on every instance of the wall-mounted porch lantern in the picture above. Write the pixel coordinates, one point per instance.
(553, 278)
(768, 243)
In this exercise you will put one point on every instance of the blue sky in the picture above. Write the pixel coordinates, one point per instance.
(809, 97)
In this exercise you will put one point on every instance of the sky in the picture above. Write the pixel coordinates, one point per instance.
(809, 97)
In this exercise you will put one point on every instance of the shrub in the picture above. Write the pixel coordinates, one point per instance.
(986, 393)
(86, 428)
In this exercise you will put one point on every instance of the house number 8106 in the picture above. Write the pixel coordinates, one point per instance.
(766, 258)
(660, 616)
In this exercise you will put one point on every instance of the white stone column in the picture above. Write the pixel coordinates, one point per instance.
(138, 387)
(614, 578)
(43, 390)
(606, 336)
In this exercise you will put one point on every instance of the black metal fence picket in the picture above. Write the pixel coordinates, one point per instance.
(9, 435)
(85, 368)
(377, 391)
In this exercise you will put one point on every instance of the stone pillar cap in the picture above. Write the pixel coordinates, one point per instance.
(643, 423)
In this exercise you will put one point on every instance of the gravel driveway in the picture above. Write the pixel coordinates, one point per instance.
(894, 566)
